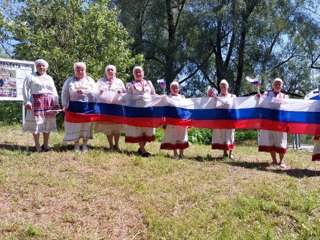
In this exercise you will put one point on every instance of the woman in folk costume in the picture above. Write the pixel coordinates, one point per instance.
(41, 100)
(316, 148)
(140, 135)
(223, 139)
(110, 83)
(81, 88)
(273, 141)
(175, 137)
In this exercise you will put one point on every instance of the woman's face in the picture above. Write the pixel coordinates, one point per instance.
(110, 73)
(41, 69)
(138, 74)
(224, 88)
(277, 86)
(80, 72)
(174, 89)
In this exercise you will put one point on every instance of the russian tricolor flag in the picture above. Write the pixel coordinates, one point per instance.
(285, 115)
(210, 92)
(161, 83)
(253, 81)
(313, 95)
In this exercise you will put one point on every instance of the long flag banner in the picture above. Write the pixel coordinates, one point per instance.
(285, 115)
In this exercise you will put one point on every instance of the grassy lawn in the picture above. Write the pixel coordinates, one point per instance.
(107, 195)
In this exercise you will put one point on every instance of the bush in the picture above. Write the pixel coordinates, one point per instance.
(60, 121)
(159, 134)
(11, 112)
(200, 135)
(196, 135)
(203, 136)
(243, 135)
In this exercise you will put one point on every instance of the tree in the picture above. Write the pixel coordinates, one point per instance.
(157, 34)
(204, 41)
(253, 38)
(68, 31)
(7, 9)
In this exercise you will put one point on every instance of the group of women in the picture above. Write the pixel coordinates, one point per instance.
(42, 102)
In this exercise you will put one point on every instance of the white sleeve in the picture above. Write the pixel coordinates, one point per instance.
(65, 93)
(129, 88)
(99, 83)
(54, 92)
(26, 90)
(94, 85)
(123, 88)
(153, 91)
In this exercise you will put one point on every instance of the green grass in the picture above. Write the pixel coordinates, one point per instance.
(106, 195)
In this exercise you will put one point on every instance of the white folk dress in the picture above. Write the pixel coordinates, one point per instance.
(43, 87)
(140, 134)
(175, 137)
(75, 131)
(223, 139)
(113, 85)
(273, 141)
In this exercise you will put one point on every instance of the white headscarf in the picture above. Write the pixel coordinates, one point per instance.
(136, 68)
(277, 80)
(42, 61)
(111, 67)
(174, 83)
(223, 81)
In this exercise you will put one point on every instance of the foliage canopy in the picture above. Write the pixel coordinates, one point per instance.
(65, 32)
(201, 42)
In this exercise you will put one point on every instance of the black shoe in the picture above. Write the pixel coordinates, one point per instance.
(38, 150)
(45, 149)
(116, 149)
(146, 154)
(139, 151)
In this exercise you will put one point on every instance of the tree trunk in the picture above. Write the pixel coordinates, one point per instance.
(240, 61)
(169, 74)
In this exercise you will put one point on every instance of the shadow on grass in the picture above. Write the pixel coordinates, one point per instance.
(261, 166)
(60, 148)
(207, 158)
(15, 147)
(20, 148)
(297, 173)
